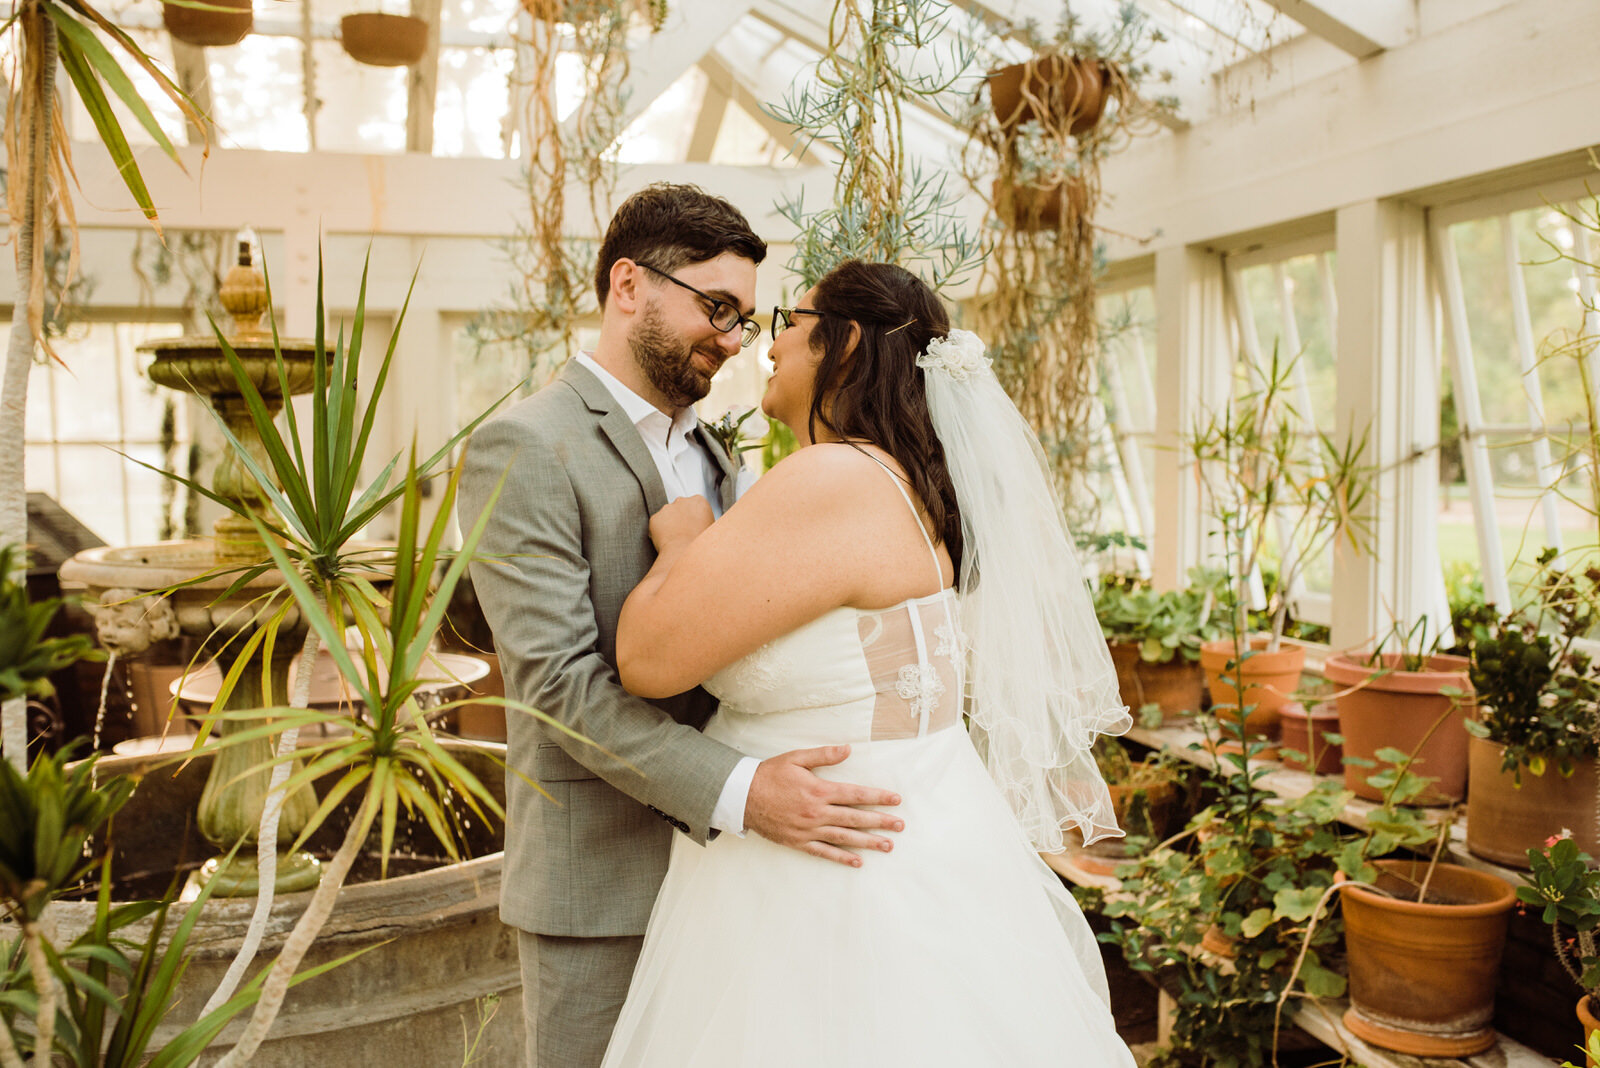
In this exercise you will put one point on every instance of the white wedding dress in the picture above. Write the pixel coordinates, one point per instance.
(959, 948)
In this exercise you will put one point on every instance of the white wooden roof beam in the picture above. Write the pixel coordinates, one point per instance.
(724, 79)
(692, 29)
(1362, 28)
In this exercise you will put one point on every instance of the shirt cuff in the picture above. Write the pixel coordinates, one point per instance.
(729, 813)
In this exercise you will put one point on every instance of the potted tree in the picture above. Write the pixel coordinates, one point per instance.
(1536, 735)
(1155, 638)
(1268, 478)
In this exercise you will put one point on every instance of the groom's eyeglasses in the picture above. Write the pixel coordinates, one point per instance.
(723, 316)
(783, 318)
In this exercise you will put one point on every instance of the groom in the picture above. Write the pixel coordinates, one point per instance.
(586, 461)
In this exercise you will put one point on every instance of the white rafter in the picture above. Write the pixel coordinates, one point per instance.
(1360, 27)
(692, 29)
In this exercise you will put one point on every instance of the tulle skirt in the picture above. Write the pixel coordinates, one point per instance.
(959, 948)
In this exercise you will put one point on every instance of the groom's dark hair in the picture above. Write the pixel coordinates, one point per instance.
(875, 393)
(667, 225)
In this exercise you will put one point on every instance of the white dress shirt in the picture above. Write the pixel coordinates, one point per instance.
(685, 469)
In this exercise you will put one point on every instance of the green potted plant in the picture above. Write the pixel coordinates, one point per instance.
(1564, 883)
(1155, 638)
(1220, 916)
(1149, 795)
(1411, 698)
(1536, 734)
(1269, 479)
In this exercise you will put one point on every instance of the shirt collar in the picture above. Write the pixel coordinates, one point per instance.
(640, 411)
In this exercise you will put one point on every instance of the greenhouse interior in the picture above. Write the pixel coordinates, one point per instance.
(455, 611)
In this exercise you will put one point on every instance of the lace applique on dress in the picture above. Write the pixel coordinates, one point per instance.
(764, 669)
(921, 687)
(949, 641)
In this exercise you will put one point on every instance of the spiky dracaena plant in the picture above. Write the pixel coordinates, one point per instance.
(316, 507)
(391, 759)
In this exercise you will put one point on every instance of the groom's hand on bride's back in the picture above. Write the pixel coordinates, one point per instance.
(791, 805)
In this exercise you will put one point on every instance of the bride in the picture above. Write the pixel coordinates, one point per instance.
(904, 571)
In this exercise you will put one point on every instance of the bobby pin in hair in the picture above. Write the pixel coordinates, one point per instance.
(901, 327)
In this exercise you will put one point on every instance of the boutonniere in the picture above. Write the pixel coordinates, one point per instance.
(729, 434)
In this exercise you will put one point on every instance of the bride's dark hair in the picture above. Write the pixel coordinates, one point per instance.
(875, 394)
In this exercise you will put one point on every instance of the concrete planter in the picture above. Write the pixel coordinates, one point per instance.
(436, 947)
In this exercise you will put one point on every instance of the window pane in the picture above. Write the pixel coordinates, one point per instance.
(88, 400)
(471, 102)
(257, 93)
(363, 108)
(92, 489)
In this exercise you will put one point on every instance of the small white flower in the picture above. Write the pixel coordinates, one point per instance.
(960, 355)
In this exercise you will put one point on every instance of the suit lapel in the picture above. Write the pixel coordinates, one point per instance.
(727, 470)
(620, 429)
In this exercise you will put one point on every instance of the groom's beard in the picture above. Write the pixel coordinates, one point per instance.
(667, 361)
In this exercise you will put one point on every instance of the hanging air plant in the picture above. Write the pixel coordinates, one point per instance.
(1036, 149)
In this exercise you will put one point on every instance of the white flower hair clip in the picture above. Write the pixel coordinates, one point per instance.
(959, 355)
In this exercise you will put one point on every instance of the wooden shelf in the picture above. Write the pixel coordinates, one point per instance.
(1323, 1019)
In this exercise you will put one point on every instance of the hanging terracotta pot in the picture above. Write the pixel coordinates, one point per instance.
(1303, 730)
(1269, 680)
(1408, 711)
(382, 40)
(1177, 686)
(1505, 820)
(1039, 207)
(1422, 975)
(1052, 89)
(209, 29)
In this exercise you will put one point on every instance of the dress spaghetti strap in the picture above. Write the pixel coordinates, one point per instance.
(938, 570)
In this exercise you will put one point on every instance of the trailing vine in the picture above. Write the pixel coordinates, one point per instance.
(554, 271)
(883, 56)
(1081, 98)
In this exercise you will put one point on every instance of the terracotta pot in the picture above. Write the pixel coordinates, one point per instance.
(381, 40)
(1178, 685)
(1504, 820)
(1405, 710)
(1302, 729)
(1590, 1024)
(1038, 207)
(1051, 89)
(1422, 976)
(1269, 680)
(209, 29)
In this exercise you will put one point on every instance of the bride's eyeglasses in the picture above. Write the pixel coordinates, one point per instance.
(723, 316)
(783, 318)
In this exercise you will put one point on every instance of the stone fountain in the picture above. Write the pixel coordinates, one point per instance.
(152, 586)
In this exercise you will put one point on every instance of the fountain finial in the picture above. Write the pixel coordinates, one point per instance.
(244, 293)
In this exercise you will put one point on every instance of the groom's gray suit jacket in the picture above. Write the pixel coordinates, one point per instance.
(569, 537)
